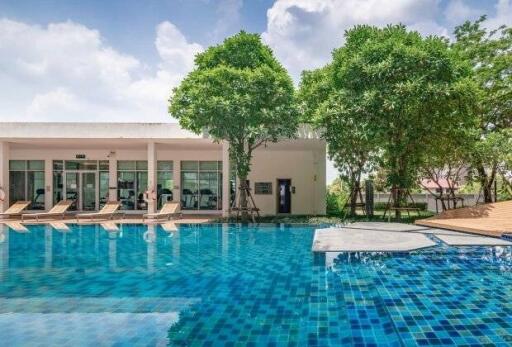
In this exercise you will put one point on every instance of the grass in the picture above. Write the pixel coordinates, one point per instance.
(332, 219)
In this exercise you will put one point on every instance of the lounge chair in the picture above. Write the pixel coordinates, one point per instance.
(107, 212)
(58, 210)
(168, 210)
(15, 209)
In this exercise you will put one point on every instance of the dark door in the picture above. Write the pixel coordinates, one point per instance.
(284, 196)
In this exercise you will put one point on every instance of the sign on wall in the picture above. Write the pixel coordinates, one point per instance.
(263, 188)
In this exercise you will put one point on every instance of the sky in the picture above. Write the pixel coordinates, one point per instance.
(118, 60)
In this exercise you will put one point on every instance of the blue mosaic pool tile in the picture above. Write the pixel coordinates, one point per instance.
(215, 285)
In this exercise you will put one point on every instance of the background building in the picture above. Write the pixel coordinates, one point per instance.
(92, 163)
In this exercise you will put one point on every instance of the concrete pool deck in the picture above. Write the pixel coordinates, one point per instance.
(393, 237)
(367, 240)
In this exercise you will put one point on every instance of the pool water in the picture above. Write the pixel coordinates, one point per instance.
(227, 285)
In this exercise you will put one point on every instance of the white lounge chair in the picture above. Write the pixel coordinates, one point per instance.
(16, 209)
(107, 212)
(168, 210)
(56, 211)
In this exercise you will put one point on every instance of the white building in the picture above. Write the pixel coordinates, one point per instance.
(95, 162)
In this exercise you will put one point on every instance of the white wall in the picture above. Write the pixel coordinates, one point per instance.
(306, 169)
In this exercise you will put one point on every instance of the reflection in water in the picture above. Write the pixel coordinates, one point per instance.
(112, 251)
(4, 250)
(150, 238)
(230, 283)
(48, 247)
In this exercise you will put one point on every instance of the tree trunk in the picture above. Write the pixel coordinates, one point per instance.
(243, 198)
(486, 181)
(397, 198)
(353, 196)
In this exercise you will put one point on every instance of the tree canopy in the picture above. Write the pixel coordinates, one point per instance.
(490, 55)
(395, 92)
(351, 145)
(238, 92)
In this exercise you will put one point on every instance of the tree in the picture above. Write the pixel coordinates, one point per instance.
(491, 155)
(407, 88)
(238, 92)
(348, 136)
(489, 52)
(448, 159)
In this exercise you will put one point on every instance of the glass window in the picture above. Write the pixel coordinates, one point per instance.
(73, 189)
(72, 165)
(189, 165)
(164, 166)
(89, 165)
(104, 165)
(26, 182)
(126, 165)
(201, 185)
(58, 185)
(142, 186)
(126, 190)
(132, 183)
(103, 188)
(17, 186)
(17, 165)
(141, 165)
(208, 191)
(165, 185)
(36, 165)
(35, 189)
(208, 166)
(81, 165)
(189, 194)
(58, 165)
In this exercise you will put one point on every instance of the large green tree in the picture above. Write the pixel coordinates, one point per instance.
(402, 90)
(351, 145)
(238, 92)
(490, 53)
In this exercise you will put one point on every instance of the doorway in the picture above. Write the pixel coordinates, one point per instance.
(81, 188)
(284, 195)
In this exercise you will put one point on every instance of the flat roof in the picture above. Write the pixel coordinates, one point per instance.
(84, 130)
(100, 130)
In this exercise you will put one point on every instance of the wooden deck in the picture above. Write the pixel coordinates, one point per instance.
(489, 219)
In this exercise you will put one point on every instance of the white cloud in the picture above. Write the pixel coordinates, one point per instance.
(65, 71)
(303, 33)
(503, 14)
(458, 11)
(228, 12)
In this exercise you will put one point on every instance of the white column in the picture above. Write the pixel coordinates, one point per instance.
(4, 175)
(48, 184)
(152, 176)
(176, 176)
(225, 179)
(112, 177)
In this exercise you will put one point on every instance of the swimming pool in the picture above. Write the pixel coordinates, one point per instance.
(228, 285)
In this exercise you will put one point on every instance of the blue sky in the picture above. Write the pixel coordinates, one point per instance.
(118, 60)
